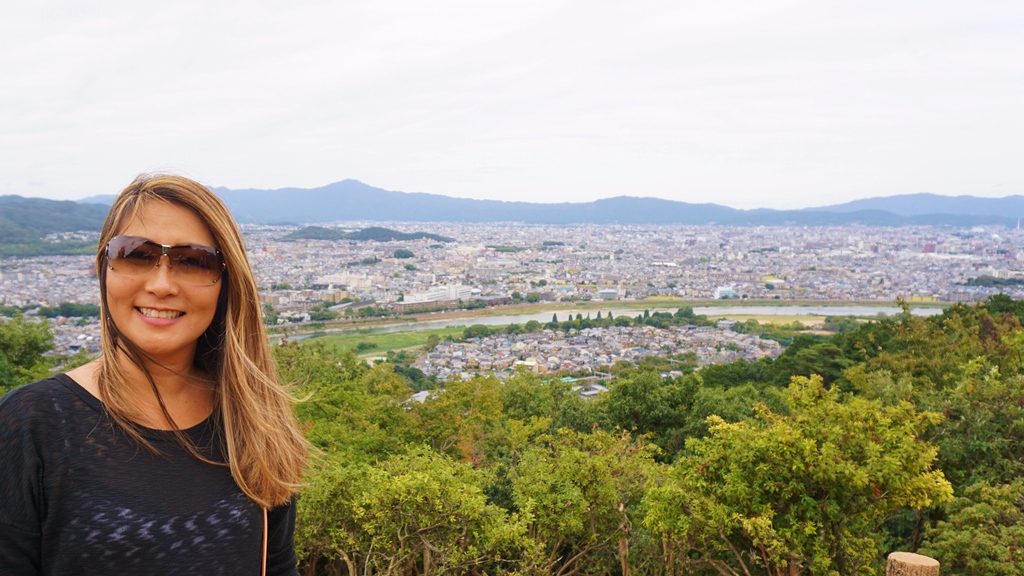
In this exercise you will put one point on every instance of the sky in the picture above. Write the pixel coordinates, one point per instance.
(749, 104)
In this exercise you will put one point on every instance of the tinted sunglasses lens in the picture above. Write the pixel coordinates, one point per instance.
(130, 255)
(196, 264)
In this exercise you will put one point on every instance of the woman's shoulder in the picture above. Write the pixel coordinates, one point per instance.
(42, 400)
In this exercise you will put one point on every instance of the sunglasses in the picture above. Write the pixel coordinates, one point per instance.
(190, 263)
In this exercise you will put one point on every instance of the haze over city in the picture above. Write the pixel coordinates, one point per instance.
(786, 105)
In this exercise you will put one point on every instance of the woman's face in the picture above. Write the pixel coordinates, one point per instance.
(162, 315)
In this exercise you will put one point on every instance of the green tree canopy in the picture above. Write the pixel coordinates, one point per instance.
(22, 345)
(809, 491)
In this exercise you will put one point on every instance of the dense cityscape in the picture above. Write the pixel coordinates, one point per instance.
(498, 264)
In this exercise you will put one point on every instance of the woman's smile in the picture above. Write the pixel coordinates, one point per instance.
(161, 314)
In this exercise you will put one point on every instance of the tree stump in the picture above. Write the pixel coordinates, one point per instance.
(910, 564)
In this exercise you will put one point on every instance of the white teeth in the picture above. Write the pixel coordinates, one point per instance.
(164, 314)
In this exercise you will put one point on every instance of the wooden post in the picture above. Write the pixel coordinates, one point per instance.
(910, 564)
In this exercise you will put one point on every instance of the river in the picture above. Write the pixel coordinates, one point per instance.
(563, 314)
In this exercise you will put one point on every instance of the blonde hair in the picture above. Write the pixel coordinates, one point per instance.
(261, 440)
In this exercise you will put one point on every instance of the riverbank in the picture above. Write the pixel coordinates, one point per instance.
(811, 312)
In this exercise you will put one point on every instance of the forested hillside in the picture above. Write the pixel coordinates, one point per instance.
(24, 221)
(905, 433)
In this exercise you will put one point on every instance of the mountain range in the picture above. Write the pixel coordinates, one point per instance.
(351, 200)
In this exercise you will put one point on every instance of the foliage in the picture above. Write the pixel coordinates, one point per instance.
(24, 221)
(321, 313)
(735, 404)
(583, 492)
(807, 356)
(993, 282)
(808, 491)
(646, 403)
(984, 532)
(782, 333)
(30, 248)
(403, 253)
(348, 408)
(10, 311)
(70, 310)
(817, 462)
(22, 345)
(270, 315)
(417, 512)
(379, 234)
(460, 418)
(314, 233)
(476, 331)
(841, 324)
(525, 399)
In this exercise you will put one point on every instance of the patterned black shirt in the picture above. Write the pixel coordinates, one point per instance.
(79, 496)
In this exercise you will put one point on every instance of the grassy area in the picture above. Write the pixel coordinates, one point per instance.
(779, 319)
(385, 341)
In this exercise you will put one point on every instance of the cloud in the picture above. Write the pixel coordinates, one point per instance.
(785, 104)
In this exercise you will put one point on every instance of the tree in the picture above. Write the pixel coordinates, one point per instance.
(69, 310)
(583, 492)
(533, 297)
(983, 532)
(476, 331)
(270, 315)
(459, 419)
(802, 493)
(554, 317)
(418, 512)
(645, 403)
(320, 313)
(403, 253)
(348, 407)
(22, 345)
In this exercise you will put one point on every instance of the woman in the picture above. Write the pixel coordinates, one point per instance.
(164, 455)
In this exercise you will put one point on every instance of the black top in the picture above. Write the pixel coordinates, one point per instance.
(79, 496)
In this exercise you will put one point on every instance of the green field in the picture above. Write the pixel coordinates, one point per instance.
(387, 340)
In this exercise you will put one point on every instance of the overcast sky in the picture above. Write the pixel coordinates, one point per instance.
(779, 104)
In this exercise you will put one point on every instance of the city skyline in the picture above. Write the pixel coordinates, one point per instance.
(791, 105)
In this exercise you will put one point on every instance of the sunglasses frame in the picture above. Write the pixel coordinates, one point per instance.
(170, 252)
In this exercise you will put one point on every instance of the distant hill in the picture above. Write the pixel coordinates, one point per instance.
(374, 233)
(925, 204)
(24, 222)
(351, 200)
(379, 234)
(45, 216)
(314, 233)
(104, 199)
